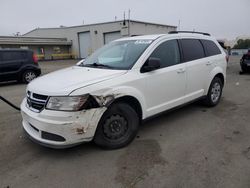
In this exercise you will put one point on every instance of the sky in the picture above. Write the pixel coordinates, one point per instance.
(224, 19)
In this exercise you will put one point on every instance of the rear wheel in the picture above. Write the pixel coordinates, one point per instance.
(214, 92)
(117, 127)
(28, 76)
(243, 69)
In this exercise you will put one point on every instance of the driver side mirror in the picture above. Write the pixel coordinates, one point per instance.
(151, 64)
(80, 62)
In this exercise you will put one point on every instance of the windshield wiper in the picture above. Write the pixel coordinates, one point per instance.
(98, 65)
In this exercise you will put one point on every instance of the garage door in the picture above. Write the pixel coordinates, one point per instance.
(85, 44)
(108, 37)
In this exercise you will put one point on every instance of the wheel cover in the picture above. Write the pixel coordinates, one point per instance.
(115, 127)
(29, 76)
(215, 92)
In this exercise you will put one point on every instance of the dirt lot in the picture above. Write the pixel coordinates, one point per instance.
(193, 147)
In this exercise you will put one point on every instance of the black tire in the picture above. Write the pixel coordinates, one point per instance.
(28, 76)
(212, 99)
(243, 69)
(117, 127)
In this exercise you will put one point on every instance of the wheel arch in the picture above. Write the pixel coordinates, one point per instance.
(131, 101)
(217, 72)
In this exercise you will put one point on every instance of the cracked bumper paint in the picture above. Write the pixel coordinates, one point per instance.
(71, 127)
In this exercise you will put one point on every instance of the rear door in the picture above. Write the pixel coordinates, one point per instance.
(165, 87)
(212, 53)
(11, 62)
(196, 66)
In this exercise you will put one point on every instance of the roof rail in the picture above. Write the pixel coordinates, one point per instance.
(175, 32)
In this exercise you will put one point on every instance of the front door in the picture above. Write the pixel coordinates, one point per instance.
(165, 87)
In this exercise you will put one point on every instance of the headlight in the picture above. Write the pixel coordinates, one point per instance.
(73, 103)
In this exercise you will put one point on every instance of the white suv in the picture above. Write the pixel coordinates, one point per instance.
(106, 97)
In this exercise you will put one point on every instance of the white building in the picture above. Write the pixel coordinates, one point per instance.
(85, 39)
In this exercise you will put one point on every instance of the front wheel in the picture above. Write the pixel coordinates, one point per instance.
(214, 92)
(117, 127)
(28, 76)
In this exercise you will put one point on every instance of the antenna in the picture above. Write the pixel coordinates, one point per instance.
(124, 18)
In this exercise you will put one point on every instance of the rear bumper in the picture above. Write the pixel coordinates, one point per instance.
(57, 129)
(244, 65)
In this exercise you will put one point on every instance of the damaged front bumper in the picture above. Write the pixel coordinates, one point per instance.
(59, 129)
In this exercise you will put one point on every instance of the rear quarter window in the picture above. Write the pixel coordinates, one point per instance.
(9, 56)
(192, 49)
(210, 47)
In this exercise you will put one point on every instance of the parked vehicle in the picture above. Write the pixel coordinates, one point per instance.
(106, 97)
(245, 62)
(18, 64)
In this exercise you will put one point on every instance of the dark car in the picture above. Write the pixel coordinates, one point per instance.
(245, 62)
(18, 64)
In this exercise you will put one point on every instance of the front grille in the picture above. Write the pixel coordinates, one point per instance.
(36, 102)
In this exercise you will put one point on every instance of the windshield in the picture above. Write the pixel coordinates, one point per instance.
(117, 55)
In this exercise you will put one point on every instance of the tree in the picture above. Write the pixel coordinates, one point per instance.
(242, 44)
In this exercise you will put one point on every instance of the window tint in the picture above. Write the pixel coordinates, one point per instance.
(192, 49)
(8, 56)
(210, 48)
(168, 53)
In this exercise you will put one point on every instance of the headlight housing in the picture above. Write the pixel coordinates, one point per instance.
(67, 103)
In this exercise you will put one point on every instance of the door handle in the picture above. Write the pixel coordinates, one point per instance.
(181, 70)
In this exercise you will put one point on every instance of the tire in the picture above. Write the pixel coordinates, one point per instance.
(28, 76)
(214, 92)
(243, 69)
(117, 127)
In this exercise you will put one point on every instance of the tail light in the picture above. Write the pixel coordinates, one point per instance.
(35, 59)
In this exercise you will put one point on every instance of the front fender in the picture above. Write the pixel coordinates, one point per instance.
(110, 95)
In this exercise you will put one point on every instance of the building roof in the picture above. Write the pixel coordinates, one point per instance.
(33, 40)
(94, 24)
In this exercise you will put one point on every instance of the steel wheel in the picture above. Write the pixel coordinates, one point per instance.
(115, 127)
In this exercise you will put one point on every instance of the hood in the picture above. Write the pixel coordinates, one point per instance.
(64, 81)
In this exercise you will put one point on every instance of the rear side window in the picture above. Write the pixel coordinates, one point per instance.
(9, 56)
(210, 48)
(168, 53)
(192, 49)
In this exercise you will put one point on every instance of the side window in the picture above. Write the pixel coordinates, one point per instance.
(168, 53)
(210, 48)
(192, 49)
(10, 56)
